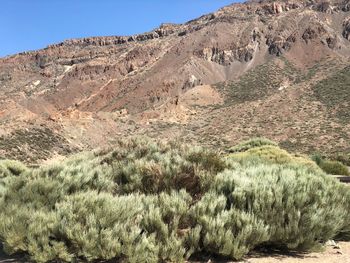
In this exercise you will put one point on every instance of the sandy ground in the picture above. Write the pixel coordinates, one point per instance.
(330, 255)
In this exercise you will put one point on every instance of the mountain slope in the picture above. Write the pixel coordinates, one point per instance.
(271, 68)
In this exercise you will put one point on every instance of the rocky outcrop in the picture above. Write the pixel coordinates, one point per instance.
(94, 41)
(324, 7)
(277, 45)
(320, 33)
(346, 29)
(216, 55)
(331, 42)
(191, 82)
(5, 76)
(226, 57)
(345, 7)
(313, 32)
(166, 29)
(245, 54)
(42, 61)
(277, 7)
(271, 7)
(163, 31)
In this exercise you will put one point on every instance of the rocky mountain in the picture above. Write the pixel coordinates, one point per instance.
(278, 69)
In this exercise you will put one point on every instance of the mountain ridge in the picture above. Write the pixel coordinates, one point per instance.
(182, 80)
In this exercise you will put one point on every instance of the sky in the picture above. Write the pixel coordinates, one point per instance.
(33, 24)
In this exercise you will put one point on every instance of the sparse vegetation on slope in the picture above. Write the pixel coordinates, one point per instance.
(31, 145)
(146, 201)
(334, 92)
(260, 82)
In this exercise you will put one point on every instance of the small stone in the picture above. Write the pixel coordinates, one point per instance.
(331, 243)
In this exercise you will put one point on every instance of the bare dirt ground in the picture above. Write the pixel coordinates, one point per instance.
(331, 254)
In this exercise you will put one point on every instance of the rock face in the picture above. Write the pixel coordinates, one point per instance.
(227, 57)
(313, 32)
(346, 30)
(143, 72)
(345, 6)
(325, 7)
(277, 45)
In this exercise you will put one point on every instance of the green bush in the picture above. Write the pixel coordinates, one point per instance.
(8, 170)
(252, 143)
(144, 166)
(317, 158)
(225, 230)
(334, 167)
(146, 201)
(290, 202)
(102, 226)
(11, 168)
(270, 154)
(344, 159)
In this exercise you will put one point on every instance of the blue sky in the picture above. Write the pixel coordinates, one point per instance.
(33, 24)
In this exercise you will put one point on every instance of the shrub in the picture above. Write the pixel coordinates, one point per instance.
(252, 143)
(146, 201)
(11, 168)
(149, 167)
(289, 201)
(344, 158)
(334, 167)
(227, 231)
(317, 158)
(100, 226)
(136, 165)
(8, 170)
(272, 155)
(344, 233)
